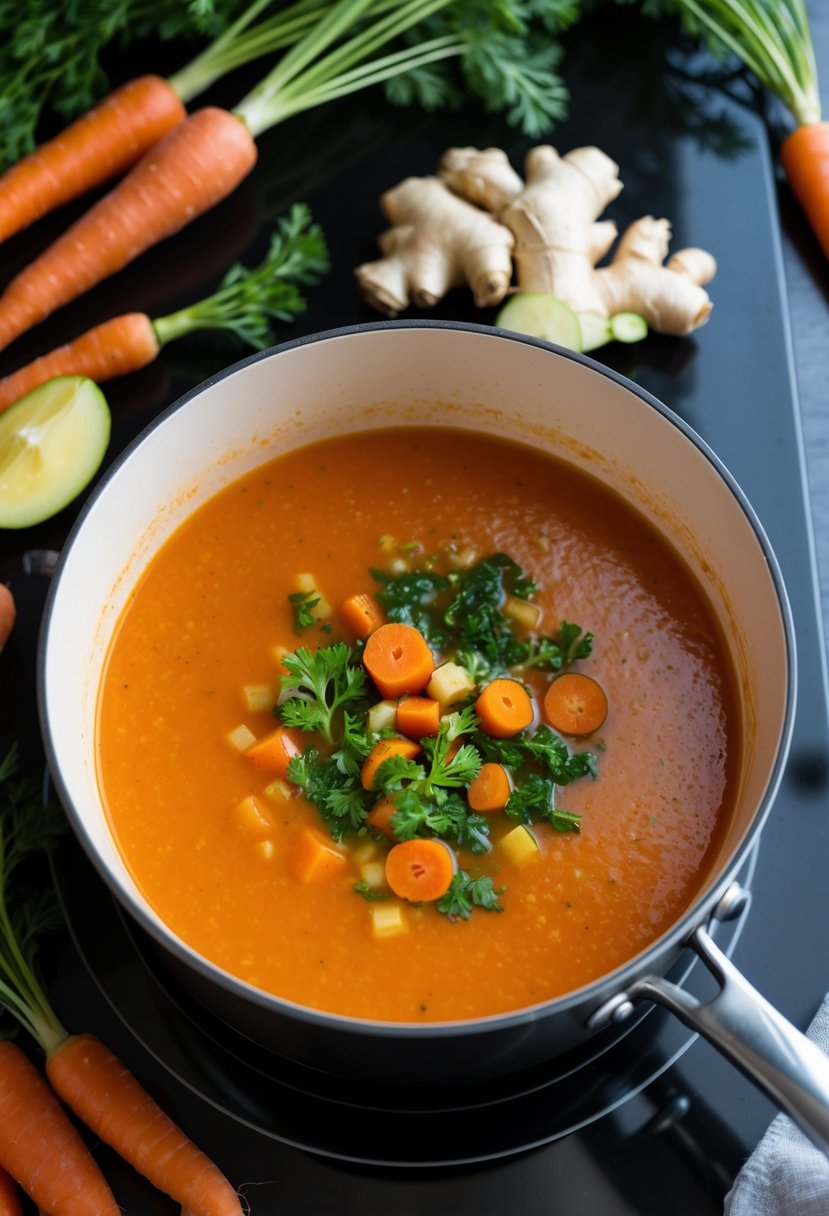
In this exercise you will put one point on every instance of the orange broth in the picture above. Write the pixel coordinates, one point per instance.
(203, 622)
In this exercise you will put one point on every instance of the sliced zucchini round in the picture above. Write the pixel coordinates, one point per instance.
(52, 442)
(628, 327)
(541, 315)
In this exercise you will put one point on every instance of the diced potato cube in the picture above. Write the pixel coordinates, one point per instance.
(382, 716)
(462, 559)
(279, 791)
(365, 851)
(449, 684)
(265, 849)
(519, 845)
(241, 737)
(387, 543)
(373, 874)
(258, 697)
(522, 612)
(308, 583)
(388, 920)
(253, 818)
(398, 565)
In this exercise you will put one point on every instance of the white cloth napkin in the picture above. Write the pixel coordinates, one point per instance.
(785, 1175)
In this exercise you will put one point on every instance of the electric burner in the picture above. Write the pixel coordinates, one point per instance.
(364, 1123)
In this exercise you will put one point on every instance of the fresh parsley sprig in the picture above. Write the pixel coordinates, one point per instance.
(535, 799)
(340, 798)
(318, 684)
(466, 892)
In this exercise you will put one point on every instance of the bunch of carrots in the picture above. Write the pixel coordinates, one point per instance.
(40, 1147)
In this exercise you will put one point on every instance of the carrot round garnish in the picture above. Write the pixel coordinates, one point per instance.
(101, 144)
(362, 614)
(383, 750)
(418, 717)
(191, 169)
(274, 752)
(106, 1096)
(42, 1149)
(380, 816)
(805, 158)
(504, 707)
(120, 345)
(398, 659)
(575, 704)
(420, 870)
(490, 790)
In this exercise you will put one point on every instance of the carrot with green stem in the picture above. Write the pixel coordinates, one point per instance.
(353, 45)
(774, 41)
(244, 305)
(112, 136)
(84, 1073)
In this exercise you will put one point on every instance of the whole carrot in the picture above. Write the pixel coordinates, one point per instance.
(243, 305)
(804, 155)
(9, 1196)
(34, 1143)
(106, 1096)
(194, 166)
(205, 157)
(774, 41)
(103, 143)
(41, 1148)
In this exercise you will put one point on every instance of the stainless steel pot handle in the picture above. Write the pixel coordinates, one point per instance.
(750, 1032)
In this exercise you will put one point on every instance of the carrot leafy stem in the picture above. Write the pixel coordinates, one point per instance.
(247, 301)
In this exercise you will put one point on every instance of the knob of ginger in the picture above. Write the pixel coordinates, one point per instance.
(438, 241)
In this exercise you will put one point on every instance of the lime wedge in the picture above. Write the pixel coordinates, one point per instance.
(52, 442)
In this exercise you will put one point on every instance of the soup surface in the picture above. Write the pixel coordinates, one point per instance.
(194, 674)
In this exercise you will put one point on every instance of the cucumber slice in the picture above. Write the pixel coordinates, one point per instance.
(628, 327)
(52, 442)
(541, 315)
(595, 330)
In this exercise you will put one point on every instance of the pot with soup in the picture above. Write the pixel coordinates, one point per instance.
(420, 689)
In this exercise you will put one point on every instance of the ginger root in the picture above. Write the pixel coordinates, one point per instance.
(438, 241)
(464, 226)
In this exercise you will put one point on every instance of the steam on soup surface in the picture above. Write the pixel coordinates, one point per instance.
(218, 844)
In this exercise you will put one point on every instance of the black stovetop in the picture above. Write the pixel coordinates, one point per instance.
(690, 153)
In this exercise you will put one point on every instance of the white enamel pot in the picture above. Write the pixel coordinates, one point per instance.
(460, 376)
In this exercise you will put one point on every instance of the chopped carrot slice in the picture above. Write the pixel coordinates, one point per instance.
(379, 817)
(362, 614)
(382, 750)
(575, 704)
(418, 717)
(420, 870)
(273, 752)
(314, 859)
(490, 789)
(398, 659)
(504, 707)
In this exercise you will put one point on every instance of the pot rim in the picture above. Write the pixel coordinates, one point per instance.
(618, 978)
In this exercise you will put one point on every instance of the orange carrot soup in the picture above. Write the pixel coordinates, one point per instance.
(417, 725)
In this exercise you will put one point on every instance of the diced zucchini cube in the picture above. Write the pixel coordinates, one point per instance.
(382, 716)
